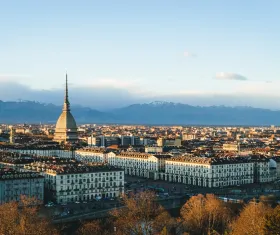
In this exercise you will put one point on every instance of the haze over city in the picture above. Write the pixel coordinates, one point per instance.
(122, 52)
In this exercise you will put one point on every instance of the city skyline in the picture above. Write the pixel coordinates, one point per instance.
(119, 54)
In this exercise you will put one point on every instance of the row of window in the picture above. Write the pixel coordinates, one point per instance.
(86, 197)
(91, 175)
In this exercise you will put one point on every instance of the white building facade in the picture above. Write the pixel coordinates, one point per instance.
(91, 155)
(72, 183)
(138, 164)
(14, 184)
(214, 172)
(45, 152)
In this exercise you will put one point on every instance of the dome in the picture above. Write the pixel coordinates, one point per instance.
(66, 122)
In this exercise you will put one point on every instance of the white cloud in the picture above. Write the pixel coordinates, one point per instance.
(113, 82)
(12, 77)
(107, 94)
(189, 54)
(230, 76)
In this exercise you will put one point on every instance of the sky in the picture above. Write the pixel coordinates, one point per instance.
(116, 53)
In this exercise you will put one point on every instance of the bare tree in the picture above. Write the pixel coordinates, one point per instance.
(217, 213)
(141, 215)
(205, 215)
(89, 228)
(251, 220)
(23, 219)
(272, 222)
(8, 218)
(193, 214)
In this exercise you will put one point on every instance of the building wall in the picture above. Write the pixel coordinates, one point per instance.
(65, 188)
(207, 175)
(230, 147)
(262, 172)
(91, 156)
(137, 166)
(153, 149)
(12, 189)
(46, 153)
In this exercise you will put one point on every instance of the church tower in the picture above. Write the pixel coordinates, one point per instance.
(66, 128)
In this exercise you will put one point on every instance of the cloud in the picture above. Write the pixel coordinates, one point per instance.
(189, 54)
(12, 77)
(113, 82)
(103, 97)
(89, 96)
(230, 76)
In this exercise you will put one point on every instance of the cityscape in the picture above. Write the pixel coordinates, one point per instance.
(113, 157)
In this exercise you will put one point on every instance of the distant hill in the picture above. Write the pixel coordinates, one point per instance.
(34, 112)
(177, 113)
(152, 113)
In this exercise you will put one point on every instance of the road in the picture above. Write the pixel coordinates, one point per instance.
(71, 209)
(242, 191)
(168, 203)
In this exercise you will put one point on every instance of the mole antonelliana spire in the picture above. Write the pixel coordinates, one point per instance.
(66, 106)
(66, 127)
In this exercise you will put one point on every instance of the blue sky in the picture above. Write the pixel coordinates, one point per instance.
(122, 52)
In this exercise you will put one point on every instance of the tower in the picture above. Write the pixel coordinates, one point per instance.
(12, 135)
(66, 127)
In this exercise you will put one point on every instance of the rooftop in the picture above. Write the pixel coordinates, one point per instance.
(162, 155)
(70, 168)
(93, 150)
(219, 160)
(134, 155)
(11, 174)
(19, 158)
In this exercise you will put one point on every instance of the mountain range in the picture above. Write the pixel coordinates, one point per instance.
(155, 113)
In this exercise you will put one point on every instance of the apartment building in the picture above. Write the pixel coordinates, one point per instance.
(231, 147)
(263, 171)
(14, 184)
(76, 182)
(91, 155)
(139, 164)
(45, 152)
(168, 142)
(153, 149)
(216, 172)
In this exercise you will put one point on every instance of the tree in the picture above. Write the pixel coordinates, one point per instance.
(163, 223)
(8, 218)
(251, 220)
(89, 228)
(193, 214)
(269, 200)
(141, 214)
(205, 215)
(272, 222)
(218, 215)
(22, 219)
